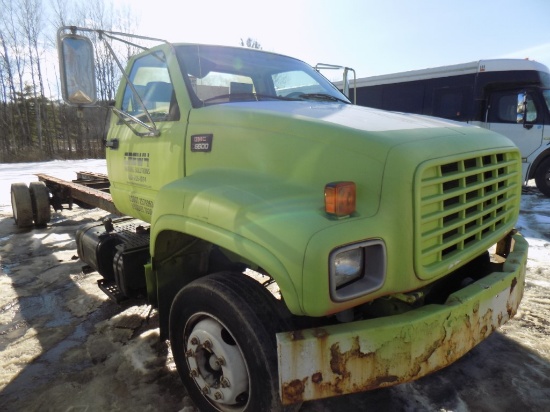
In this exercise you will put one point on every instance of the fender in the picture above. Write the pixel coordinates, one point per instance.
(540, 157)
(265, 221)
(245, 248)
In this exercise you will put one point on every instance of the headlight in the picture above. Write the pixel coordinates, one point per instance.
(348, 266)
(357, 269)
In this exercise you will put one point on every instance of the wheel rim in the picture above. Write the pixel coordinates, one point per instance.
(216, 363)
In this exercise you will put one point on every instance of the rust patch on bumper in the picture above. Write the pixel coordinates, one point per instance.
(339, 359)
(293, 391)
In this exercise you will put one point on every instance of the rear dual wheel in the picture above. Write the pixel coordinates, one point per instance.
(222, 334)
(21, 205)
(30, 204)
(40, 199)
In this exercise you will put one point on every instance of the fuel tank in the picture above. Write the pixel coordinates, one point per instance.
(118, 249)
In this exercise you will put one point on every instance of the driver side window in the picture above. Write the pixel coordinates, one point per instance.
(155, 92)
(507, 106)
(530, 109)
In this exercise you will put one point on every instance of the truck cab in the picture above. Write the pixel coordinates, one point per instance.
(299, 246)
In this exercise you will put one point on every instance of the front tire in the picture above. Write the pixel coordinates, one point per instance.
(222, 334)
(542, 177)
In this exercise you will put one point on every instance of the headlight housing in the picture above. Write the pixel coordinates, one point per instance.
(357, 269)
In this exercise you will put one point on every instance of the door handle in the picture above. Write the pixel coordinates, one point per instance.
(113, 144)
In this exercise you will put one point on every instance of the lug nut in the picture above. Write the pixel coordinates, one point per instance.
(206, 390)
(225, 383)
(220, 361)
(218, 396)
(207, 344)
(194, 373)
(195, 340)
(190, 353)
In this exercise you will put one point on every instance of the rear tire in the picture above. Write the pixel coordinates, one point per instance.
(40, 199)
(21, 205)
(222, 334)
(542, 177)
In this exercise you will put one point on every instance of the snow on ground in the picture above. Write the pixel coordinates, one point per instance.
(25, 172)
(64, 346)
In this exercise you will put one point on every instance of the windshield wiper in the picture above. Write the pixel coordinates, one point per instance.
(243, 97)
(321, 96)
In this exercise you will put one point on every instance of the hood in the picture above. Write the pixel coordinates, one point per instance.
(308, 144)
(347, 115)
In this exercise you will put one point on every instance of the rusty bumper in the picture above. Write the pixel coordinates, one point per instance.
(364, 355)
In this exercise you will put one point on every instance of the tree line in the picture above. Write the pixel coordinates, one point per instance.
(34, 124)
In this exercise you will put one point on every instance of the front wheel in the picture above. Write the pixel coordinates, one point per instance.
(542, 177)
(222, 334)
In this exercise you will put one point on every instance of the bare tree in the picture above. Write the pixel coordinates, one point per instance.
(251, 43)
(30, 23)
(15, 58)
(35, 125)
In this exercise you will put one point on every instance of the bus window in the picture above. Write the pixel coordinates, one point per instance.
(403, 97)
(449, 103)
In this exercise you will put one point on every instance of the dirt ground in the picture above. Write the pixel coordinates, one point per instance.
(66, 347)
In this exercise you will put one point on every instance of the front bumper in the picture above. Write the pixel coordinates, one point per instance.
(369, 354)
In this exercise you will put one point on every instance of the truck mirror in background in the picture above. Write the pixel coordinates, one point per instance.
(522, 97)
(345, 79)
(76, 63)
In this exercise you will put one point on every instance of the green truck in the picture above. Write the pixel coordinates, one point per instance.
(296, 246)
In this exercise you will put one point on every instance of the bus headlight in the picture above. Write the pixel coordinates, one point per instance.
(357, 269)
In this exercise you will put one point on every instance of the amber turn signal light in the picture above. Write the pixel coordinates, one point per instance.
(340, 198)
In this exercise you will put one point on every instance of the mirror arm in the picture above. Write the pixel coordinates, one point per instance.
(128, 118)
(110, 34)
(111, 51)
(345, 87)
(346, 81)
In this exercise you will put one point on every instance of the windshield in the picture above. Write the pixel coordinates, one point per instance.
(217, 74)
(546, 94)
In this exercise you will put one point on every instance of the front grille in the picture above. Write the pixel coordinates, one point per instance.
(463, 206)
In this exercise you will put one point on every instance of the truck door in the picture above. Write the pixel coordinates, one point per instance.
(504, 117)
(139, 165)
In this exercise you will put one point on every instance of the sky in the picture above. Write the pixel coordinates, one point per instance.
(373, 37)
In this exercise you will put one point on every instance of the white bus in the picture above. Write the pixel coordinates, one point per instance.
(509, 96)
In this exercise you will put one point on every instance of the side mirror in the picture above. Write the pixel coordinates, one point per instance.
(522, 98)
(76, 64)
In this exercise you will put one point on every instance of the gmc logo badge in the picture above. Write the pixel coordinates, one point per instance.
(201, 142)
